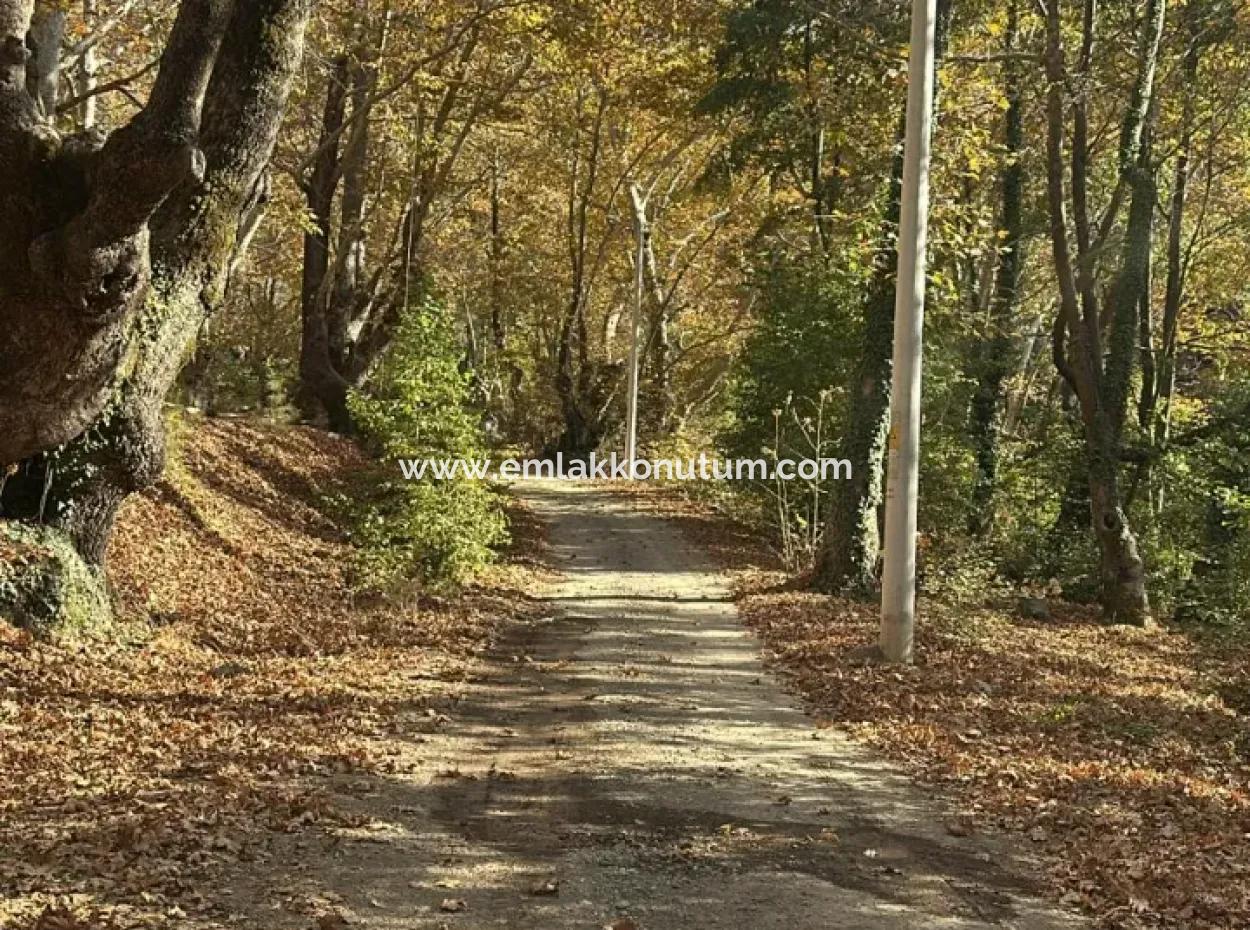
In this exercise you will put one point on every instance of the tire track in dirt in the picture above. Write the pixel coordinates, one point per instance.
(629, 759)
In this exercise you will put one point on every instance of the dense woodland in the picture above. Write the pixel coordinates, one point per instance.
(416, 224)
(258, 210)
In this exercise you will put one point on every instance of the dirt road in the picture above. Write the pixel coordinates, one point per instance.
(631, 760)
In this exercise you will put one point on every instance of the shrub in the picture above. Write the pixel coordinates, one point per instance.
(435, 531)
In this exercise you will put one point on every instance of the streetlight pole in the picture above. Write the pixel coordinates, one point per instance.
(631, 418)
(898, 590)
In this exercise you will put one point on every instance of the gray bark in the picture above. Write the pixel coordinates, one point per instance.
(109, 265)
(75, 262)
(86, 76)
(43, 69)
(1100, 378)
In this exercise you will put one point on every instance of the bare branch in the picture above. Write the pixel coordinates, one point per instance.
(98, 34)
(120, 85)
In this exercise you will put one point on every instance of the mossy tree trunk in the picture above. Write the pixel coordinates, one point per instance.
(988, 401)
(113, 251)
(847, 560)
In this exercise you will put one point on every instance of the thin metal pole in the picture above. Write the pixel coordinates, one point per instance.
(631, 420)
(898, 591)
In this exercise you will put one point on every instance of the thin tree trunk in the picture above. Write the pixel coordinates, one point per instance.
(322, 392)
(498, 326)
(87, 65)
(350, 271)
(583, 428)
(350, 262)
(988, 401)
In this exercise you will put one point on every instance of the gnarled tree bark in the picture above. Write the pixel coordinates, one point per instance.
(113, 250)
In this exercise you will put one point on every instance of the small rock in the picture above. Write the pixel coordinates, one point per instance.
(868, 655)
(545, 888)
(1034, 608)
(229, 670)
(453, 905)
(959, 828)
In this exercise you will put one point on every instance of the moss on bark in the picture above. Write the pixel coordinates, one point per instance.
(45, 585)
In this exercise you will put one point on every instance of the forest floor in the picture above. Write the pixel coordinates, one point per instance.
(586, 738)
(137, 776)
(1121, 755)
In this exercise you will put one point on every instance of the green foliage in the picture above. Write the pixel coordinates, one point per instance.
(802, 347)
(1203, 552)
(780, 409)
(437, 531)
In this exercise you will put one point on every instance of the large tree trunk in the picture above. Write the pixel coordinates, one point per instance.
(75, 263)
(112, 258)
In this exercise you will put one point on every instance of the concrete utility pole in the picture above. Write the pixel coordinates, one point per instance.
(631, 419)
(898, 590)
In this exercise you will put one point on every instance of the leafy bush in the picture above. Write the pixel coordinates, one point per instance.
(436, 531)
(801, 351)
(782, 410)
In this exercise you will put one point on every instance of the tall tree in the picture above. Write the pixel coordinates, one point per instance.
(362, 266)
(1100, 370)
(994, 363)
(113, 249)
